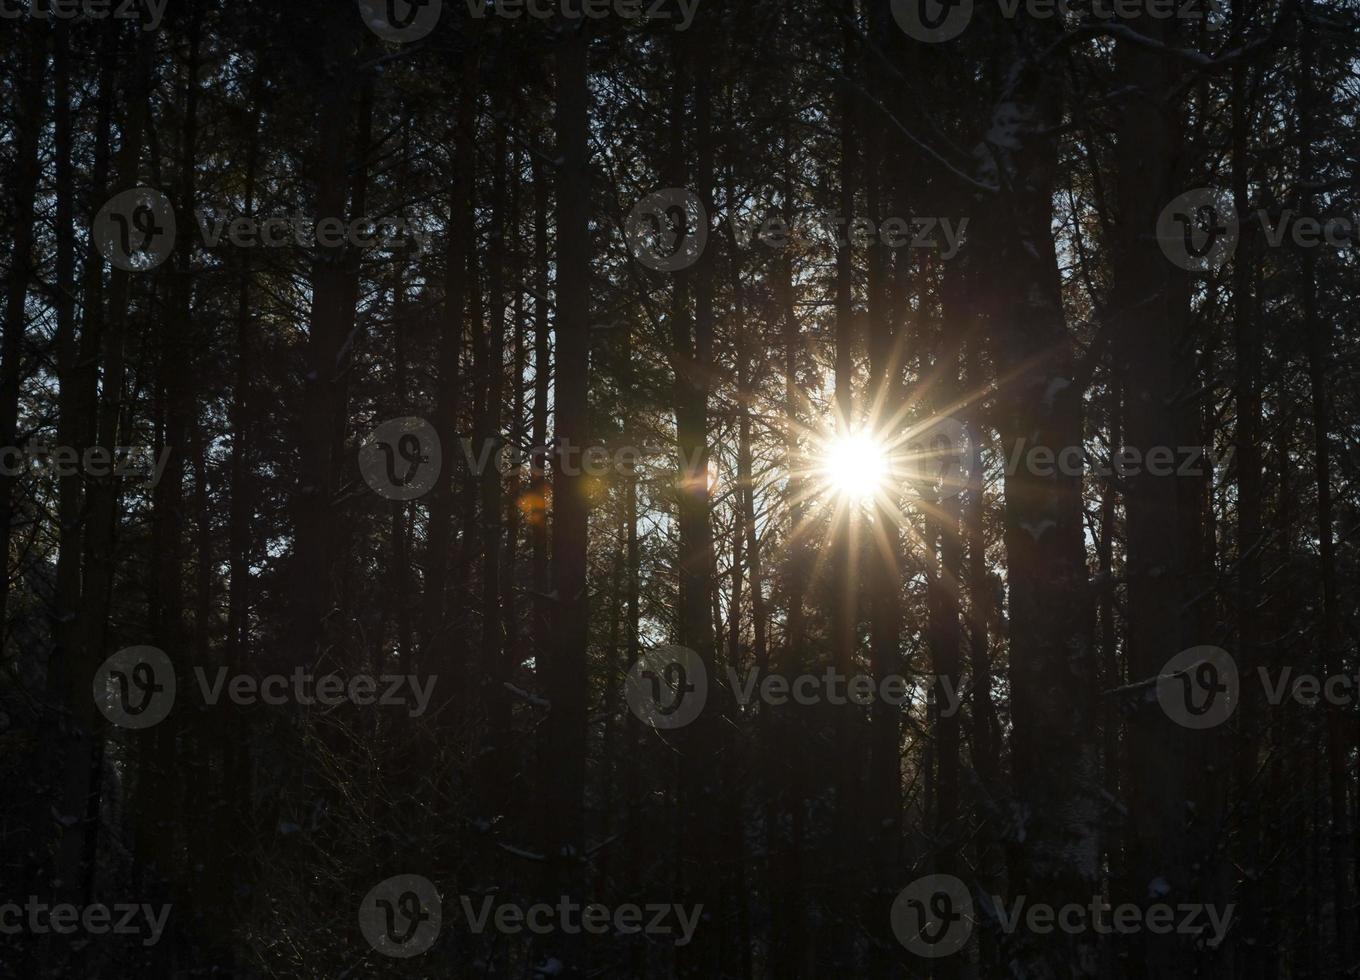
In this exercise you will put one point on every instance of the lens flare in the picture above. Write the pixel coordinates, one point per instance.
(855, 466)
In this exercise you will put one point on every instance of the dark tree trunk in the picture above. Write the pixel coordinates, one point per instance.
(493, 521)
(81, 794)
(1056, 762)
(1332, 660)
(566, 735)
(437, 646)
(28, 125)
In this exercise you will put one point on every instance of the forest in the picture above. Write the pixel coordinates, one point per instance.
(765, 489)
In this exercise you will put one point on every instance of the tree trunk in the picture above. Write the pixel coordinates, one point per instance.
(566, 735)
(1053, 860)
(1247, 394)
(493, 372)
(1332, 660)
(28, 125)
(437, 647)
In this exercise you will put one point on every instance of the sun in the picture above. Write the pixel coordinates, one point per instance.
(855, 466)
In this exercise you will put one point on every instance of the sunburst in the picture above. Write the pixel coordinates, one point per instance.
(855, 466)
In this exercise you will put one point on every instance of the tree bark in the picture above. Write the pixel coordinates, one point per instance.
(566, 735)
(28, 123)
(1054, 858)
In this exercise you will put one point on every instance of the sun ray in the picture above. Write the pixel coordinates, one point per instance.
(855, 466)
